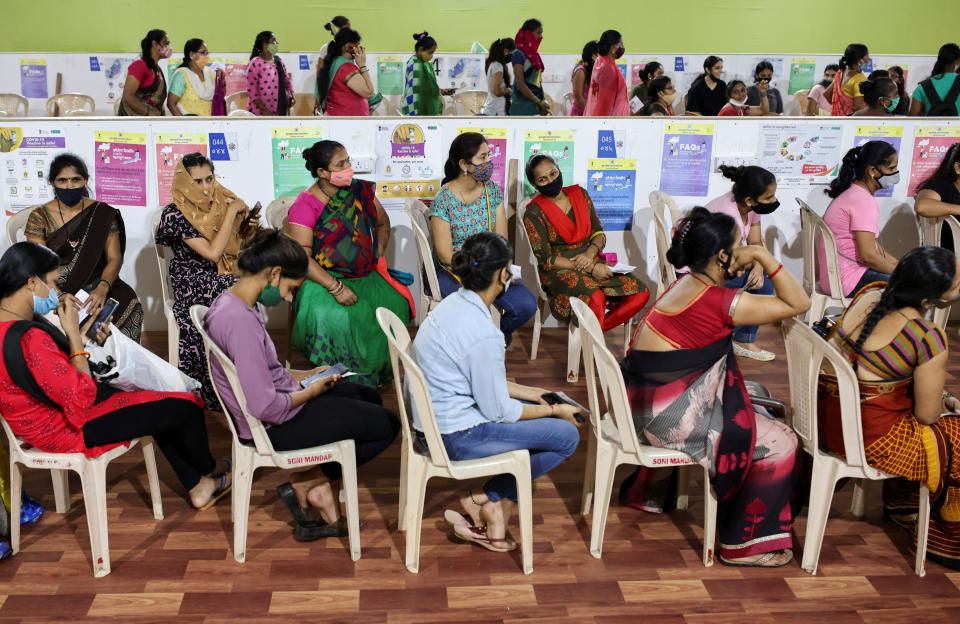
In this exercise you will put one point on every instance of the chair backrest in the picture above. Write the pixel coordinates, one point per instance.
(18, 222)
(664, 214)
(818, 242)
(931, 232)
(236, 101)
(240, 112)
(801, 97)
(66, 104)
(417, 211)
(567, 102)
(276, 214)
(449, 106)
(806, 353)
(553, 105)
(398, 339)
(14, 104)
(470, 102)
(532, 259)
(304, 104)
(164, 255)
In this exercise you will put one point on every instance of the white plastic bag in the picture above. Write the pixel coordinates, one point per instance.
(126, 365)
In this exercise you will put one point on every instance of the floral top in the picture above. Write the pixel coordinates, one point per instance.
(468, 219)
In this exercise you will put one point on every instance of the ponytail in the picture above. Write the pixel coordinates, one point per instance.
(948, 55)
(335, 49)
(146, 46)
(855, 163)
(748, 181)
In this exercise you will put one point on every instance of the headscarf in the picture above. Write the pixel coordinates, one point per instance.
(529, 43)
(204, 210)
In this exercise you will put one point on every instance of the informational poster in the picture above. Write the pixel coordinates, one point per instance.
(223, 146)
(891, 134)
(114, 75)
(803, 72)
(171, 147)
(685, 163)
(800, 154)
(610, 143)
(558, 144)
(234, 72)
(25, 156)
(624, 70)
(930, 145)
(290, 175)
(33, 78)
(120, 168)
(612, 184)
(390, 74)
(462, 72)
(497, 142)
(409, 162)
(635, 68)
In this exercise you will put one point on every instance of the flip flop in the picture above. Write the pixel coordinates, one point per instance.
(761, 562)
(223, 488)
(490, 543)
(458, 519)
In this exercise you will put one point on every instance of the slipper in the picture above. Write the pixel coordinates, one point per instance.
(761, 562)
(490, 543)
(457, 519)
(318, 530)
(762, 355)
(223, 488)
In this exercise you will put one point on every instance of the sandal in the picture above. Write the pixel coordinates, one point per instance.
(761, 562)
(490, 543)
(289, 497)
(458, 519)
(223, 488)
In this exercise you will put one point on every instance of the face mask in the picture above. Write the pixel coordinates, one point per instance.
(738, 103)
(894, 102)
(202, 61)
(552, 189)
(888, 180)
(619, 53)
(482, 173)
(506, 286)
(342, 178)
(69, 196)
(668, 98)
(270, 296)
(273, 48)
(46, 304)
(166, 52)
(765, 209)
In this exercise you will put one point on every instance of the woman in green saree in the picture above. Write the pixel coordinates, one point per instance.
(422, 96)
(345, 231)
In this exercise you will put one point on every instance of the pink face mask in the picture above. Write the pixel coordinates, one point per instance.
(166, 52)
(342, 178)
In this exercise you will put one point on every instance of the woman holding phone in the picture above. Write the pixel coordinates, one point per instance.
(344, 87)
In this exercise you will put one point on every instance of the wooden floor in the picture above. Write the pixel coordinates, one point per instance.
(182, 568)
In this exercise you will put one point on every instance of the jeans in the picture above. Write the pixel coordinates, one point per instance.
(549, 440)
(748, 333)
(517, 305)
(868, 278)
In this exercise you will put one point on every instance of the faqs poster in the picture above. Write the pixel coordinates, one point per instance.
(930, 144)
(558, 144)
(685, 164)
(290, 175)
(612, 184)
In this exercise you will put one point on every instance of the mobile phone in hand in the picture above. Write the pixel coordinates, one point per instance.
(556, 398)
(336, 369)
(105, 312)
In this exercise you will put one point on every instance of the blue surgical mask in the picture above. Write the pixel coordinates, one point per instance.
(45, 305)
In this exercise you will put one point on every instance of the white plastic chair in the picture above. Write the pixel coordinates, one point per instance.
(70, 104)
(806, 352)
(246, 458)
(13, 103)
(17, 223)
(418, 466)
(469, 102)
(164, 255)
(92, 471)
(276, 214)
(815, 233)
(567, 102)
(240, 112)
(931, 230)
(665, 214)
(417, 211)
(614, 440)
(236, 101)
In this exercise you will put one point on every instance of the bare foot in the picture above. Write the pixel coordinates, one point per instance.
(493, 517)
(473, 504)
(203, 491)
(322, 498)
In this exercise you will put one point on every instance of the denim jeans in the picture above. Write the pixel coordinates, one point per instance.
(549, 440)
(748, 333)
(868, 278)
(517, 305)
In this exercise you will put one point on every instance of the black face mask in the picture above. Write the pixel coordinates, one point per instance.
(69, 196)
(765, 209)
(552, 189)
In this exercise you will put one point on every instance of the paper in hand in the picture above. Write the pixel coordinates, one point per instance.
(82, 297)
(635, 105)
(622, 268)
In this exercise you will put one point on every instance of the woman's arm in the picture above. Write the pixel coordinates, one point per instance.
(928, 380)
(789, 298)
(359, 82)
(521, 84)
(315, 273)
(383, 229)
(578, 79)
(213, 250)
(442, 239)
(872, 253)
(764, 108)
(110, 273)
(500, 220)
(812, 109)
(755, 237)
(916, 107)
(130, 101)
(498, 87)
(930, 204)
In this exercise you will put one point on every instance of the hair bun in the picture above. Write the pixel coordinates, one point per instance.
(731, 172)
(328, 26)
(419, 36)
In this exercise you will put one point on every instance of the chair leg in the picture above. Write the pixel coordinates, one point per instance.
(923, 532)
(627, 332)
(573, 354)
(94, 482)
(16, 491)
(404, 471)
(525, 509)
(606, 467)
(153, 479)
(709, 519)
(589, 474)
(348, 465)
(683, 486)
(858, 504)
(243, 469)
(417, 491)
(61, 490)
(537, 326)
(818, 510)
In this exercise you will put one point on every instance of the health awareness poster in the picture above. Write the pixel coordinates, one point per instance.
(891, 134)
(120, 168)
(461, 72)
(409, 162)
(930, 145)
(635, 68)
(25, 155)
(802, 74)
(171, 147)
(235, 74)
(800, 154)
(114, 71)
(497, 142)
(612, 184)
(558, 144)
(33, 78)
(685, 163)
(290, 175)
(390, 75)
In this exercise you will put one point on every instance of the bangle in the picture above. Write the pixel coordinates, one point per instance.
(553, 409)
(85, 354)
(774, 274)
(105, 281)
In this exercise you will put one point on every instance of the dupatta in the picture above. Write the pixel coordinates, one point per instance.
(574, 230)
(421, 93)
(608, 91)
(842, 104)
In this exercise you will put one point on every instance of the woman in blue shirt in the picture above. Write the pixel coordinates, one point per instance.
(478, 411)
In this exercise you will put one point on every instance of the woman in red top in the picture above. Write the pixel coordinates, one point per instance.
(687, 393)
(51, 401)
(737, 106)
(145, 89)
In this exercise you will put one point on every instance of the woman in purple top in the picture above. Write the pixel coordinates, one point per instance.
(272, 266)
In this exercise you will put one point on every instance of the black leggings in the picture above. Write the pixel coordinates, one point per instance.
(346, 412)
(177, 426)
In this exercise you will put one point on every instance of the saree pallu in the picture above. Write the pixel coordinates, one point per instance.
(897, 443)
(153, 97)
(842, 104)
(421, 93)
(695, 401)
(81, 243)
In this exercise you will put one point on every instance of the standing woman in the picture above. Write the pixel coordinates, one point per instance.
(421, 93)
(660, 98)
(762, 76)
(650, 71)
(608, 88)
(528, 71)
(940, 83)
(708, 94)
(898, 77)
(738, 102)
(581, 77)
(90, 238)
(844, 94)
(344, 87)
(498, 78)
(193, 84)
(205, 227)
(854, 216)
(880, 96)
(145, 90)
(269, 86)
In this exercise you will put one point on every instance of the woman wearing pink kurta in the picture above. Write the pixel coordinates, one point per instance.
(608, 88)
(269, 87)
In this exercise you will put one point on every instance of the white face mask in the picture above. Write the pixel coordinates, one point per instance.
(888, 180)
(738, 102)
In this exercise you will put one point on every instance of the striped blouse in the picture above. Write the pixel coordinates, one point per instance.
(918, 342)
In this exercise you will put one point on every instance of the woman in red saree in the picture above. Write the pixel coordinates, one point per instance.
(608, 88)
(910, 425)
(687, 392)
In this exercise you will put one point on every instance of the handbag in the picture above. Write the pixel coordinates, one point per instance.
(126, 365)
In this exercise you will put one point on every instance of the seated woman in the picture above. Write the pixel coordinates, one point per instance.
(344, 87)
(737, 100)
(49, 398)
(854, 217)
(422, 96)
(193, 85)
(661, 95)
(900, 360)
(880, 96)
(205, 227)
(687, 392)
(754, 193)
(566, 237)
(939, 196)
(341, 223)
(90, 239)
(272, 266)
(477, 409)
(470, 202)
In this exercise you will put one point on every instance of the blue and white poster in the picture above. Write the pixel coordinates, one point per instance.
(685, 164)
(33, 78)
(612, 184)
(223, 146)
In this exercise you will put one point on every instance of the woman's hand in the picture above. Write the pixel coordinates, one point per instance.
(346, 296)
(567, 413)
(67, 311)
(951, 404)
(322, 385)
(755, 279)
(360, 56)
(744, 258)
(447, 91)
(582, 261)
(763, 86)
(97, 298)
(102, 332)
(544, 107)
(601, 272)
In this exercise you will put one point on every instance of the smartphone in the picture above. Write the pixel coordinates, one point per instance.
(556, 398)
(336, 369)
(105, 312)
